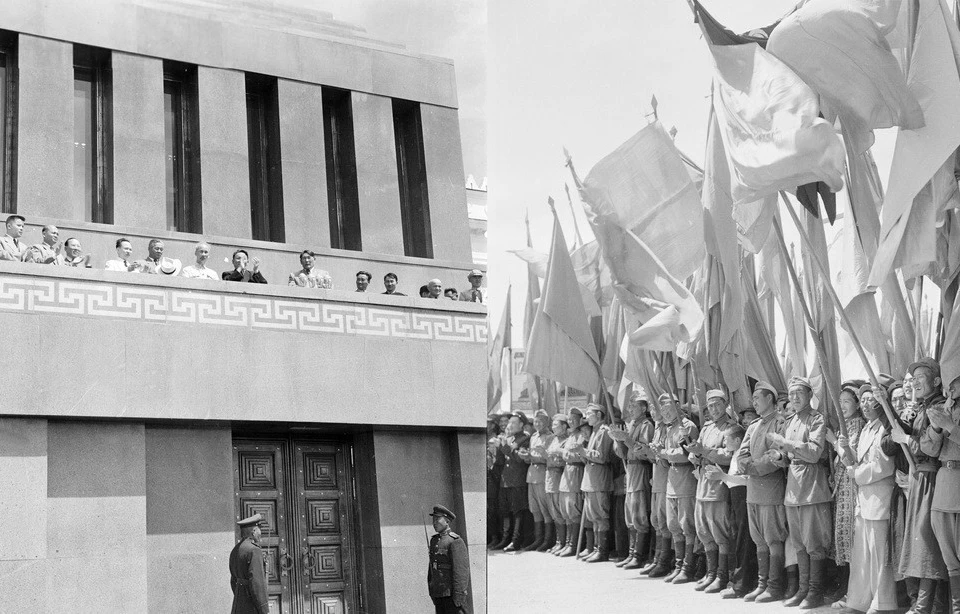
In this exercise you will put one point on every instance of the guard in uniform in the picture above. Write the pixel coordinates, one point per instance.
(571, 496)
(448, 576)
(555, 467)
(681, 489)
(639, 430)
(598, 482)
(537, 500)
(248, 578)
(945, 508)
(718, 442)
(662, 563)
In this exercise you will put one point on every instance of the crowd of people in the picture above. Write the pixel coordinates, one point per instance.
(768, 503)
(244, 268)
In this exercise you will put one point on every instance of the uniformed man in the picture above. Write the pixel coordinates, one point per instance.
(597, 482)
(513, 482)
(571, 496)
(718, 442)
(681, 489)
(47, 251)
(662, 563)
(555, 467)
(945, 508)
(248, 578)
(536, 456)
(807, 496)
(629, 447)
(11, 247)
(448, 576)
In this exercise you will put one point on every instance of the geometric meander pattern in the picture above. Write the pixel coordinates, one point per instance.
(319, 471)
(98, 299)
(328, 604)
(323, 516)
(327, 567)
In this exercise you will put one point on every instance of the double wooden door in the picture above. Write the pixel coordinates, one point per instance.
(304, 490)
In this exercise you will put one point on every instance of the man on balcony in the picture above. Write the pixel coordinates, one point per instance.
(200, 270)
(475, 293)
(47, 251)
(152, 261)
(124, 261)
(11, 248)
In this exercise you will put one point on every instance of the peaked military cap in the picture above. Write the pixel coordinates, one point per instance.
(439, 510)
(250, 521)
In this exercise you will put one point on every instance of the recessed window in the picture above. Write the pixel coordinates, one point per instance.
(8, 122)
(263, 148)
(412, 173)
(343, 199)
(92, 134)
(181, 139)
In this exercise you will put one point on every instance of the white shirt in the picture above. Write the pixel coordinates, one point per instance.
(196, 272)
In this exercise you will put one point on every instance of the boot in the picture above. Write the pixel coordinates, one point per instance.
(723, 574)
(711, 575)
(763, 569)
(588, 545)
(505, 539)
(642, 544)
(573, 532)
(774, 588)
(679, 550)
(664, 562)
(602, 553)
(941, 597)
(561, 539)
(924, 604)
(843, 578)
(657, 544)
(548, 537)
(954, 594)
(514, 544)
(686, 574)
(814, 597)
(792, 575)
(803, 580)
(632, 552)
(537, 537)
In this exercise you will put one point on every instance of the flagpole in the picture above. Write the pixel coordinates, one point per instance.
(808, 317)
(576, 226)
(884, 402)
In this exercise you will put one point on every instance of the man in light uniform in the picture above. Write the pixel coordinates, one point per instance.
(536, 456)
(945, 509)
(718, 442)
(597, 482)
(571, 495)
(662, 562)
(555, 467)
(629, 447)
(681, 489)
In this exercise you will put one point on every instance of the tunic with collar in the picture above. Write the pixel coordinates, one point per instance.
(873, 474)
(195, 272)
(658, 481)
(248, 579)
(767, 481)
(680, 479)
(472, 296)
(537, 473)
(449, 572)
(555, 464)
(572, 477)
(807, 477)
(514, 468)
(723, 439)
(598, 475)
(42, 253)
(637, 477)
(946, 496)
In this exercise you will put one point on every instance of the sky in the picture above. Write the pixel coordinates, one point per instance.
(580, 75)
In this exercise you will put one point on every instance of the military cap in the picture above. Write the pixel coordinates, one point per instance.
(541, 413)
(796, 380)
(562, 418)
(927, 362)
(886, 380)
(475, 273)
(595, 407)
(666, 396)
(576, 410)
(439, 510)
(250, 521)
(716, 394)
(766, 386)
(521, 416)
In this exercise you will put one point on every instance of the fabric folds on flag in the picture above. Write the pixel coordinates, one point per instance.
(501, 341)
(561, 346)
(840, 49)
(648, 187)
(908, 216)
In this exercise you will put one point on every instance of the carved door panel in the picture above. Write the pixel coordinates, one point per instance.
(324, 513)
(260, 484)
(304, 491)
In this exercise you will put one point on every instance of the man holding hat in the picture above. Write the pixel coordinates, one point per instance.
(513, 481)
(248, 578)
(536, 456)
(920, 556)
(629, 447)
(11, 247)
(571, 495)
(598, 481)
(718, 442)
(681, 488)
(475, 294)
(807, 496)
(448, 577)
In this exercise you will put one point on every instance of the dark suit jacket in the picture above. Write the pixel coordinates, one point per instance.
(254, 278)
(248, 579)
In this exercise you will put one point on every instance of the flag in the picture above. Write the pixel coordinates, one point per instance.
(773, 271)
(772, 135)
(612, 365)
(529, 314)
(840, 49)
(561, 346)
(647, 187)
(907, 234)
(586, 265)
(501, 341)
